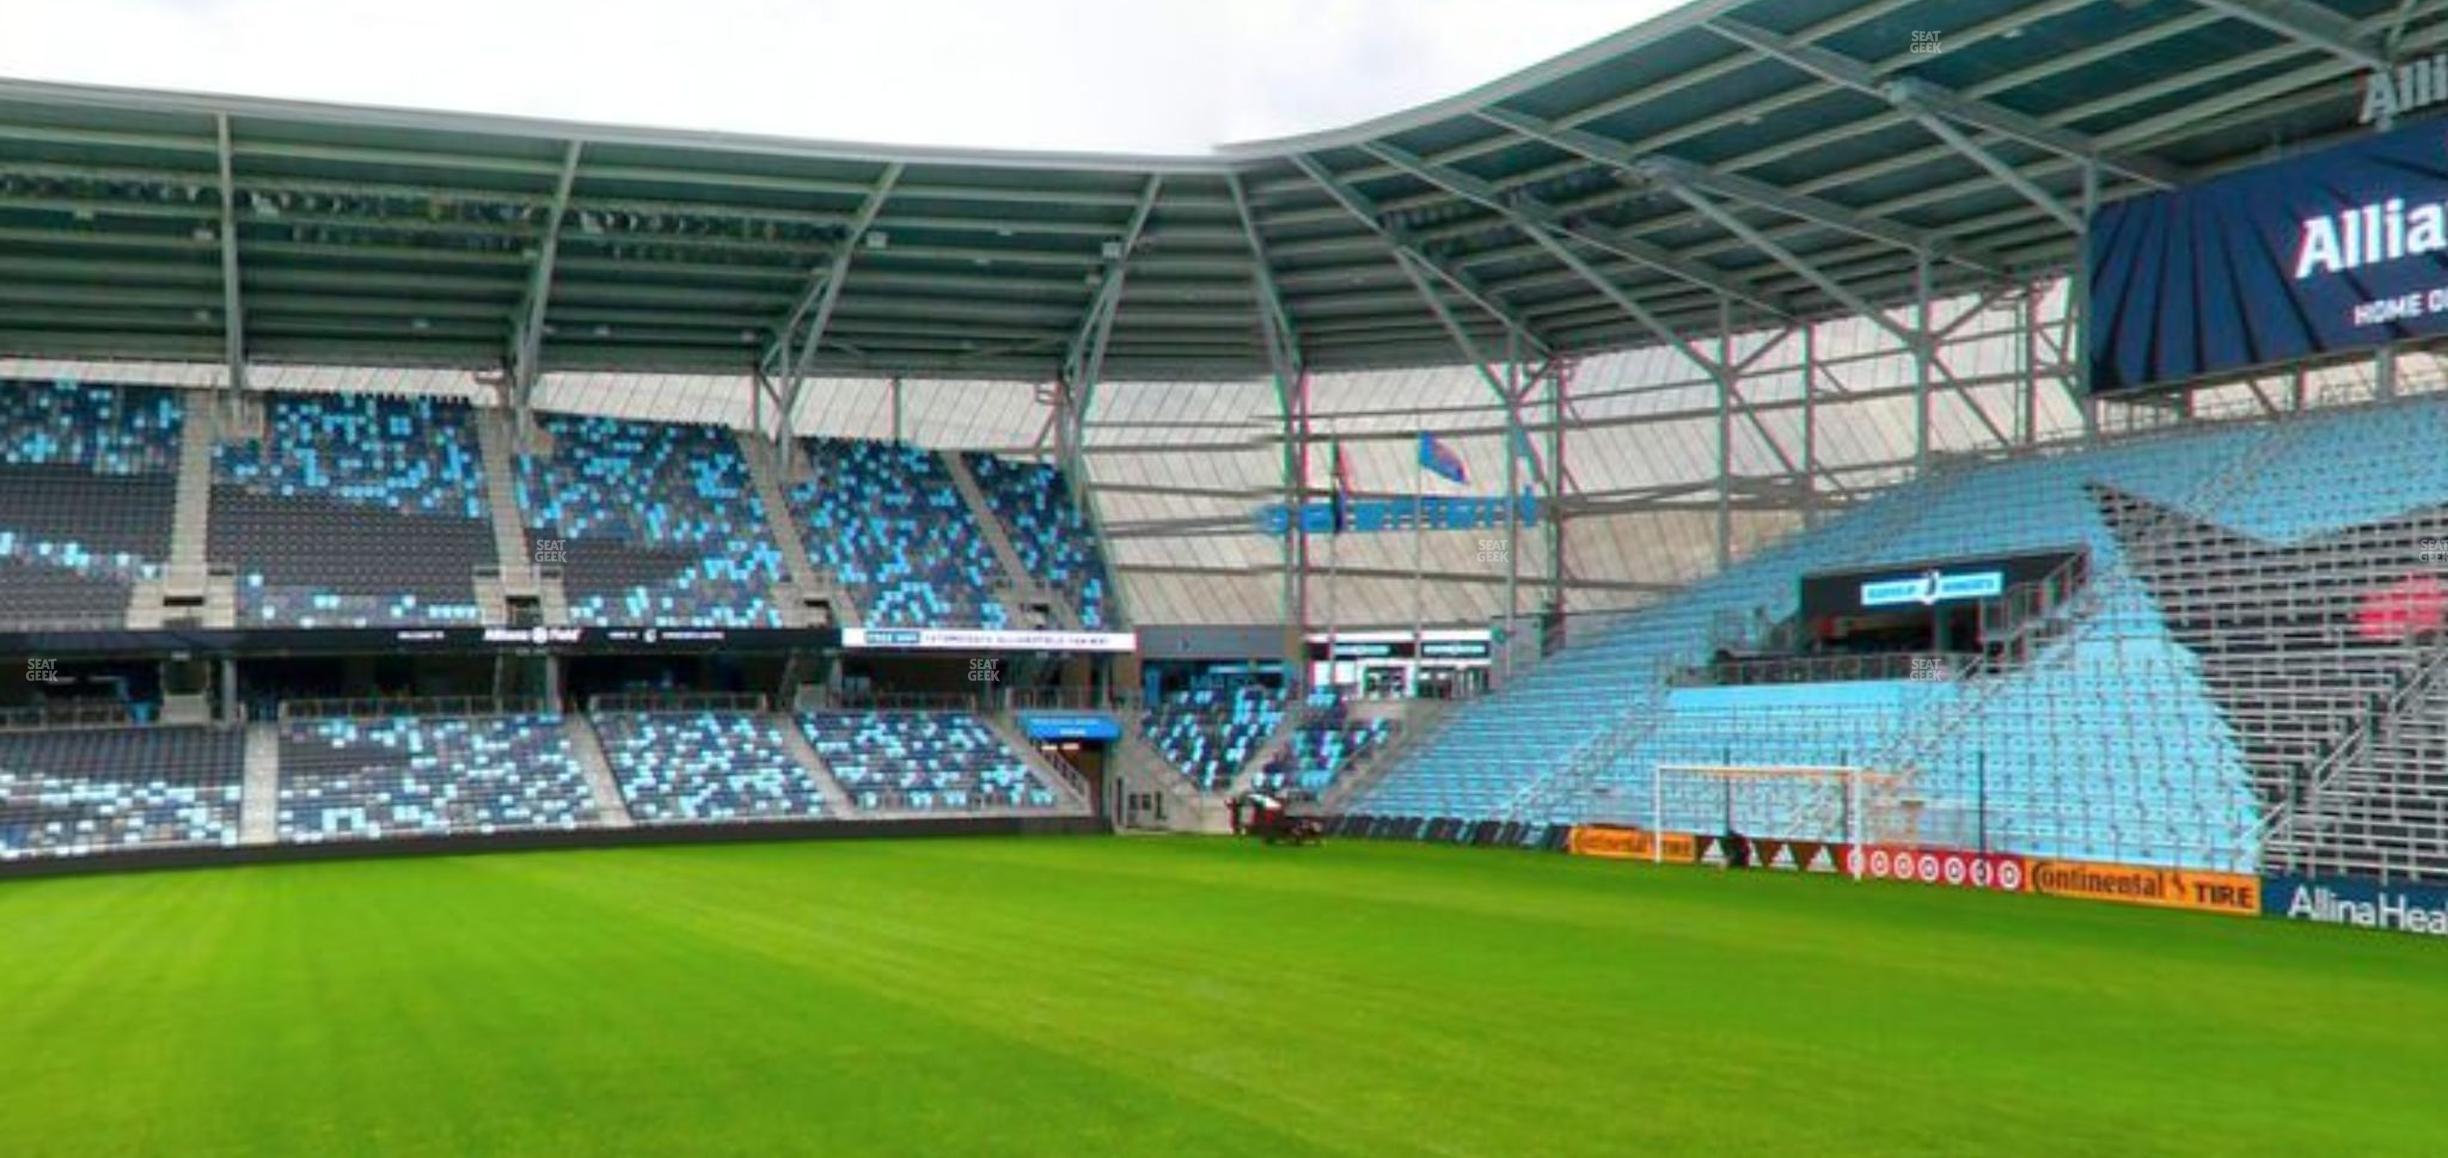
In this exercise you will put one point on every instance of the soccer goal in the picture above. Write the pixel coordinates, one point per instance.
(1783, 809)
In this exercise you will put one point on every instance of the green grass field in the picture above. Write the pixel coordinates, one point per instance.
(1180, 997)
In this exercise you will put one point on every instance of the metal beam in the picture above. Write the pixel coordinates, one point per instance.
(1845, 71)
(1531, 219)
(233, 302)
(1820, 211)
(2307, 24)
(1274, 317)
(793, 354)
(1667, 177)
(1084, 354)
(527, 354)
(1403, 245)
(1520, 207)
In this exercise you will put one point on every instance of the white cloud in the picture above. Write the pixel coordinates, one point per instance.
(1131, 75)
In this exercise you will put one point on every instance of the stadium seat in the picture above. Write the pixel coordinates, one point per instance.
(885, 519)
(1054, 539)
(354, 511)
(923, 761)
(704, 766)
(658, 523)
(88, 490)
(428, 776)
(77, 792)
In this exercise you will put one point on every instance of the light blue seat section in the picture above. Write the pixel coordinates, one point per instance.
(1210, 732)
(658, 524)
(886, 520)
(1054, 538)
(923, 761)
(688, 767)
(78, 792)
(406, 776)
(355, 510)
(88, 490)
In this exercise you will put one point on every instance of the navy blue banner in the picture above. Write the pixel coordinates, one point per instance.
(2401, 908)
(2333, 251)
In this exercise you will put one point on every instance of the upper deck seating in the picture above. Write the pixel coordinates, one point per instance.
(1054, 539)
(88, 492)
(887, 521)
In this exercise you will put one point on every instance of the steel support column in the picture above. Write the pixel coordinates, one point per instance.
(1810, 425)
(233, 301)
(1725, 435)
(1921, 366)
(2078, 297)
(527, 353)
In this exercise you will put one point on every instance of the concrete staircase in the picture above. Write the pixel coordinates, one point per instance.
(587, 748)
(259, 797)
(1019, 587)
(836, 801)
(808, 586)
(186, 577)
(493, 442)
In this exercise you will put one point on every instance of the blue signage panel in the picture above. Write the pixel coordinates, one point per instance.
(1931, 587)
(1069, 726)
(2340, 249)
(1372, 516)
(2401, 908)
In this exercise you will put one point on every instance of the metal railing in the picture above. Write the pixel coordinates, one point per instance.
(55, 717)
(383, 707)
(1745, 671)
(677, 702)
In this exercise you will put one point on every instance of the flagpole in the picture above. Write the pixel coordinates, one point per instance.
(1334, 562)
(1419, 573)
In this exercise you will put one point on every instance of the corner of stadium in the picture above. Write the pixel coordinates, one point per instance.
(1805, 577)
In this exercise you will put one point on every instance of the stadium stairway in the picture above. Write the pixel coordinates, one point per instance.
(794, 741)
(807, 586)
(587, 748)
(1022, 590)
(493, 440)
(259, 795)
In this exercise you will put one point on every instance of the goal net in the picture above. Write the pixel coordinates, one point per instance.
(1789, 815)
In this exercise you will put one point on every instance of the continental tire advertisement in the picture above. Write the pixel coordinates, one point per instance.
(1615, 843)
(2204, 892)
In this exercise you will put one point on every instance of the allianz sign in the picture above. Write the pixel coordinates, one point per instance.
(2413, 85)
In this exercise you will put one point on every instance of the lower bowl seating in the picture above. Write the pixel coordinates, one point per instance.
(923, 761)
(424, 776)
(76, 792)
(1211, 732)
(700, 766)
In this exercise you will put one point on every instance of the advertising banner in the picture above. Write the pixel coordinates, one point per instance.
(2399, 908)
(1953, 867)
(2336, 250)
(1059, 726)
(1631, 844)
(2207, 892)
(982, 639)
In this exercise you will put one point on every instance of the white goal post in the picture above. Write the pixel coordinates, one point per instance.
(1822, 802)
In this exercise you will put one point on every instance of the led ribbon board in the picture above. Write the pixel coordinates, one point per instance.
(2333, 251)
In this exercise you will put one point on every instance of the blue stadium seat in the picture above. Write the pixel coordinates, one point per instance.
(659, 524)
(1050, 533)
(923, 761)
(88, 490)
(1210, 732)
(885, 519)
(77, 792)
(354, 511)
(428, 776)
(702, 766)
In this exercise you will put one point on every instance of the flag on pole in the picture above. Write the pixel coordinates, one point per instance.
(1342, 490)
(1441, 459)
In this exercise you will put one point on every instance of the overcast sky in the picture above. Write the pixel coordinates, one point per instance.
(1136, 75)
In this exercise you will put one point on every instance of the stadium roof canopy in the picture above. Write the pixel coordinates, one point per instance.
(1742, 161)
